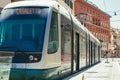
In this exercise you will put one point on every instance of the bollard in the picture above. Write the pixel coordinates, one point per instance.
(83, 77)
(107, 61)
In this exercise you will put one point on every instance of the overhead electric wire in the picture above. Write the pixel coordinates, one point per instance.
(115, 21)
(105, 5)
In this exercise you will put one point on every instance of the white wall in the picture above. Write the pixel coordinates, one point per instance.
(4, 2)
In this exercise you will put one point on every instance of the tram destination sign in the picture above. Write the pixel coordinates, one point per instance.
(20, 11)
(23, 11)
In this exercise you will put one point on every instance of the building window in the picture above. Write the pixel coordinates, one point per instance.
(69, 3)
(114, 37)
(0, 10)
(65, 1)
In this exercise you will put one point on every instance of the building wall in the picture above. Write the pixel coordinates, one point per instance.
(4, 2)
(115, 42)
(97, 21)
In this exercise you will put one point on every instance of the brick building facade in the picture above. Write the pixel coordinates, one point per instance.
(115, 42)
(97, 21)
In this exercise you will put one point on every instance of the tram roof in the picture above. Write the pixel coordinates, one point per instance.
(46, 3)
(32, 3)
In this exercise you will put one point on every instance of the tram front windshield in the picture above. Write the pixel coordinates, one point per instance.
(23, 29)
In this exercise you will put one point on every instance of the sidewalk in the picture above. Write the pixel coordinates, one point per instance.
(101, 71)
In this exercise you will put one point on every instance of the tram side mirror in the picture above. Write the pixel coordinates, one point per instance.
(5, 64)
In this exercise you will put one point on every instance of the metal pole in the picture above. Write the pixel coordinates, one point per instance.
(107, 43)
(107, 54)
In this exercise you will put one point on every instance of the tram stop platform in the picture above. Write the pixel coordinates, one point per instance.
(107, 69)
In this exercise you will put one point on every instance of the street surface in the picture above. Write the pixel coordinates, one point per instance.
(5, 65)
(106, 70)
(4, 71)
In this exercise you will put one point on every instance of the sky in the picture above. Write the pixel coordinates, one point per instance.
(110, 7)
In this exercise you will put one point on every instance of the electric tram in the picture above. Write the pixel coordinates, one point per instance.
(48, 42)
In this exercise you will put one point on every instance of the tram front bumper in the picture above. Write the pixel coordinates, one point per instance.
(34, 74)
(17, 74)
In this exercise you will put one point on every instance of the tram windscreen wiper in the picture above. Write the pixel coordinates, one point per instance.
(9, 47)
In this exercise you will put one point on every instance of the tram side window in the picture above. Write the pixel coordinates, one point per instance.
(65, 42)
(53, 34)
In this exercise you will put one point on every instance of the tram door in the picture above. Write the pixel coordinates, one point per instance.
(76, 53)
(90, 53)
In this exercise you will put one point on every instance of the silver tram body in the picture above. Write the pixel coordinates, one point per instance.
(48, 42)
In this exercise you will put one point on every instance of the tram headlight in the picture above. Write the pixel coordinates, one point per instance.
(32, 58)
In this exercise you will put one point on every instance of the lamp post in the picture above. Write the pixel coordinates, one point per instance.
(107, 44)
(101, 42)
